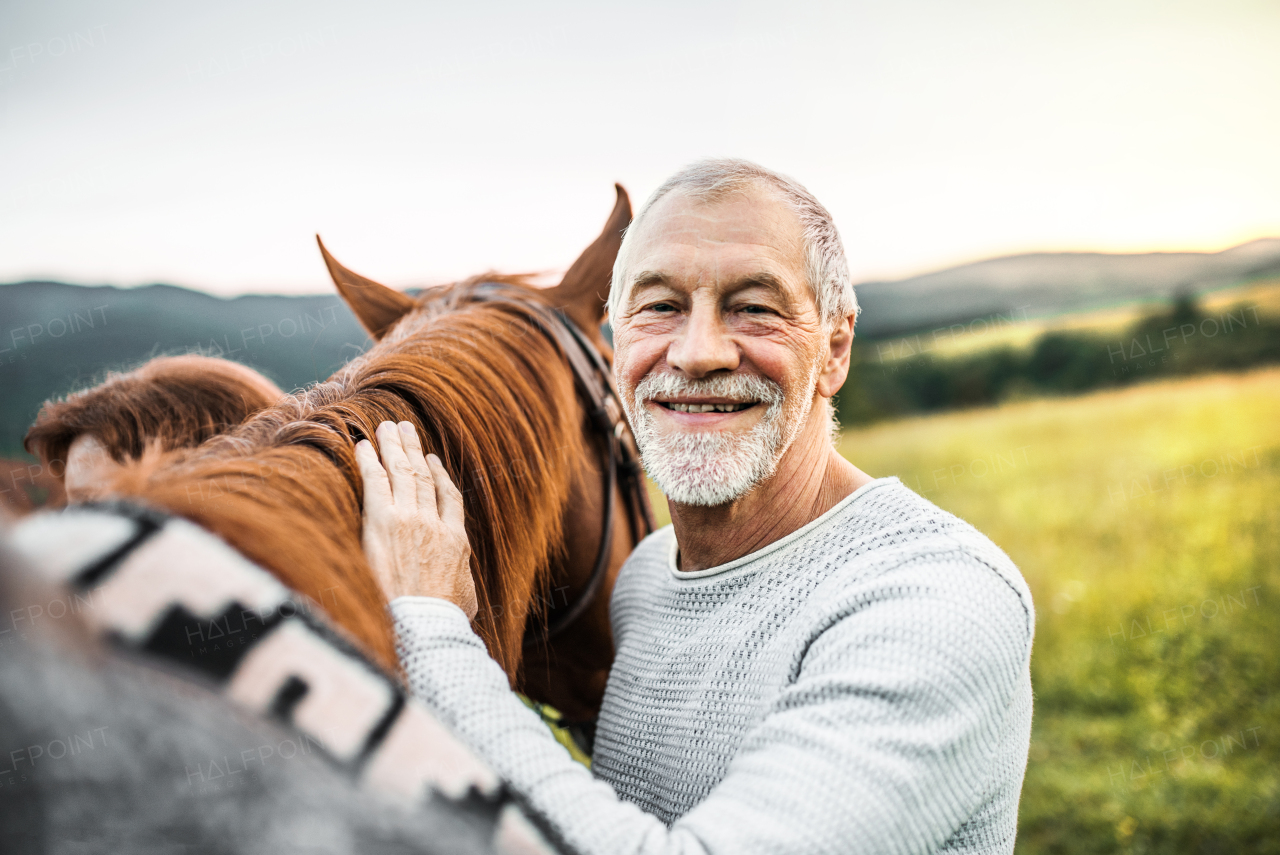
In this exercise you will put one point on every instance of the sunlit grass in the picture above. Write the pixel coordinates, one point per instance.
(661, 515)
(1145, 521)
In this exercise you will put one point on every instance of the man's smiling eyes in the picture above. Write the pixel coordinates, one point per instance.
(749, 309)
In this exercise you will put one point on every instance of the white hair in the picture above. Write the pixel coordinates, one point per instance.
(826, 267)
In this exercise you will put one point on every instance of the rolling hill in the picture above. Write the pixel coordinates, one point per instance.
(56, 337)
(1054, 283)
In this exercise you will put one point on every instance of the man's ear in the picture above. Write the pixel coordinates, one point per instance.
(583, 292)
(840, 347)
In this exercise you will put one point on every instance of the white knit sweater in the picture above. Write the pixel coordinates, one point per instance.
(861, 685)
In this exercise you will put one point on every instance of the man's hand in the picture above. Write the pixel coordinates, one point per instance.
(413, 521)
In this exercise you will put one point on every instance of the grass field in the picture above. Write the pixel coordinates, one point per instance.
(1145, 521)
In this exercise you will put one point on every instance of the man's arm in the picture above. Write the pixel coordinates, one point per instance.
(884, 742)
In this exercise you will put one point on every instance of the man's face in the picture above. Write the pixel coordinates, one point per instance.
(719, 344)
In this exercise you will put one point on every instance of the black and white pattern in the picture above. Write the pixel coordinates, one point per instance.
(269, 650)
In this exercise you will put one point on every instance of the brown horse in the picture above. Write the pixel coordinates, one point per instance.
(168, 402)
(493, 394)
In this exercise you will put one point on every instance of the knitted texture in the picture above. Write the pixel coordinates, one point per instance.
(861, 685)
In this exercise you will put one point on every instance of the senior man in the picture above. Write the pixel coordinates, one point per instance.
(809, 659)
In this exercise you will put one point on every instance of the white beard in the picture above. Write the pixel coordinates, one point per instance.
(710, 468)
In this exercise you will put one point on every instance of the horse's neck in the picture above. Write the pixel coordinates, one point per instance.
(570, 670)
(514, 451)
(509, 427)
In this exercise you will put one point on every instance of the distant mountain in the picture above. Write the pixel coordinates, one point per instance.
(55, 338)
(1051, 283)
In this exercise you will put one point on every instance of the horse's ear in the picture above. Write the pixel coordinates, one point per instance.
(376, 306)
(583, 292)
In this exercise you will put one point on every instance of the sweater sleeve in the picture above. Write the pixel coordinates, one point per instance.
(882, 742)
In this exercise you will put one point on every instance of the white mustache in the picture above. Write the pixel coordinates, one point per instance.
(739, 388)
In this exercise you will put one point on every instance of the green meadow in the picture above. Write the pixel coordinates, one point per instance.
(1145, 521)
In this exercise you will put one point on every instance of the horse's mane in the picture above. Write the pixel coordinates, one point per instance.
(482, 384)
(173, 401)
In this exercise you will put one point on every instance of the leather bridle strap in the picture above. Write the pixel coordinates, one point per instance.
(593, 380)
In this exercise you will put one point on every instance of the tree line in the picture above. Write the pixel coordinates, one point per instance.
(1176, 339)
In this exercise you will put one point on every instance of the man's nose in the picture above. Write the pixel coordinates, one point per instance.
(703, 344)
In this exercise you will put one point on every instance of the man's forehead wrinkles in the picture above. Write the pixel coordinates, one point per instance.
(694, 222)
(763, 248)
(721, 248)
(677, 230)
(705, 213)
(700, 244)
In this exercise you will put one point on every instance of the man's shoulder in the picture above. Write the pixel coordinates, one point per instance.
(882, 540)
(896, 539)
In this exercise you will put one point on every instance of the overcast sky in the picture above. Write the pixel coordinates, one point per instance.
(204, 144)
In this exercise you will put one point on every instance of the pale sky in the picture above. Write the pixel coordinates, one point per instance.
(203, 144)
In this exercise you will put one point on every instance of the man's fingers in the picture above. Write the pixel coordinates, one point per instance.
(377, 489)
(390, 447)
(424, 484)
(448, 496)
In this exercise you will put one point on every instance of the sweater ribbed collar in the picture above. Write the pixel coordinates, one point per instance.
(782, 542)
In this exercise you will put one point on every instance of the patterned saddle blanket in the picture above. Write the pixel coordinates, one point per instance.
(222, 619)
